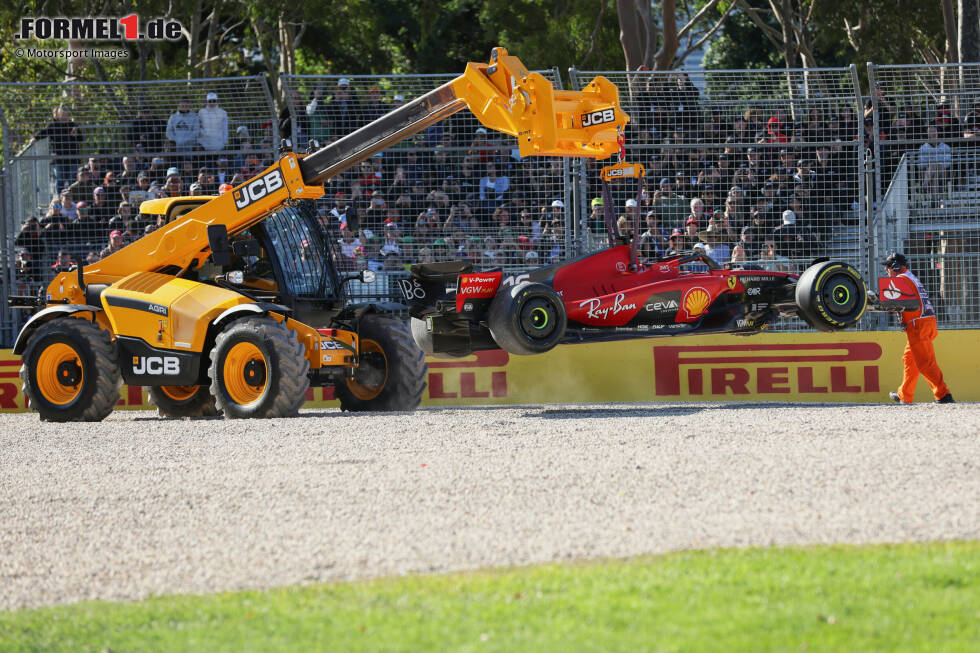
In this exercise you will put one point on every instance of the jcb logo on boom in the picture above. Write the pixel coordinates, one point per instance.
(156, 365)
(598, 117)
(258, 189)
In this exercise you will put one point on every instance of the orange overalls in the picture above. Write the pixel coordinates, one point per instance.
(921, 329)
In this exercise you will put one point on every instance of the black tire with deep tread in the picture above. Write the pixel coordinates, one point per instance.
(201, 404)
(816, 296)
(507, 318)
(102, 378)
(423, 338)
(406, 368)
(287, 370)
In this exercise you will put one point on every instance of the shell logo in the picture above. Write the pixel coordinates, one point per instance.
(696, 302)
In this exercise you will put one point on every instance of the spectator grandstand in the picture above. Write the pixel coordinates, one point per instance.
(759, 168)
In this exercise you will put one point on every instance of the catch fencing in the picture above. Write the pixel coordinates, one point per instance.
(782, 166)
(926, 127)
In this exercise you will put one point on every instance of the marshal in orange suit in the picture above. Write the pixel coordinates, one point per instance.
(920, 329)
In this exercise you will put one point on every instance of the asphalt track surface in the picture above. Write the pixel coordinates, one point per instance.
(137, 506)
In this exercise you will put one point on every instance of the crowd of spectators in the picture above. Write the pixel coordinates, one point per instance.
(767, 182)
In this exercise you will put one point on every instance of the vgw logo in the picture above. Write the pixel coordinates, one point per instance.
(156, 365)
(258, 189)
(598, 117)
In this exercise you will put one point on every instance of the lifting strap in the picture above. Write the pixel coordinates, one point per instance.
(622, 170)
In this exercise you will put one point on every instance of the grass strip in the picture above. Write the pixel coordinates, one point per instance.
(909, 597)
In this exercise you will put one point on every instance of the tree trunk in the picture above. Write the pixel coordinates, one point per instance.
(664, 59)
(968, 33)
(635, 31)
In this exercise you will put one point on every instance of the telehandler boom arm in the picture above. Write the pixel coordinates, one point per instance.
(503, 95)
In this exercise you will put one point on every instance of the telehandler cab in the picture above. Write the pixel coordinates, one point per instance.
(236, 306)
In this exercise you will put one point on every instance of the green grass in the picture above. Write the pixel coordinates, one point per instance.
(880, 598)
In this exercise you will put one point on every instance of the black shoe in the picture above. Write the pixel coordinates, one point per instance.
(894, 397)
(948, 399)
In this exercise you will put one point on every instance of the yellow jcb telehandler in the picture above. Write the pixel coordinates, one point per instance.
(236, 307)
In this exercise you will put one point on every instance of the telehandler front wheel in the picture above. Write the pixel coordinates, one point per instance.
(391, 372)
(258, 369)
(183, 401)
(71, 371)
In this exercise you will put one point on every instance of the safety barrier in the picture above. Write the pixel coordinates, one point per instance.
(856, 174)
(856, 367)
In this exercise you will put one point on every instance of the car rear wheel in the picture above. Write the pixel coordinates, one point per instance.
(527, 319)
(831, 296)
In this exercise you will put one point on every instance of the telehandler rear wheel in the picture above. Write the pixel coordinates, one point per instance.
(391, 372)
(71, 371)
(184, 401)
(258, 369)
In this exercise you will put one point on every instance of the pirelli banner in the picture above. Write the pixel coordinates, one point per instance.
(859, 367)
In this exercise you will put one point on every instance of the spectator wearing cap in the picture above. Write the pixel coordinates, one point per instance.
(653, 241)
(342, 111)
(100, 208)
(213, 134)
(793, 240)
(241, 144)
(142, 192)
(116, 243)
(676, 243)
(597, 220)
(174, 185)
(776, 128)
(157, 172)
(146, 132)
(480, 146)
(27, 270)
(691, 229)
(222, 172)
(83, 185)
(184, 127)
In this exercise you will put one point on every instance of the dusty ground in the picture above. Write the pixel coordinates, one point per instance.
(137, 506)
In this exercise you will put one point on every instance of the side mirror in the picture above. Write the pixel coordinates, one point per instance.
(218, 243)
(247, 247)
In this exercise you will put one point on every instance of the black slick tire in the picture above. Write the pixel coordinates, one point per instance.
(179, 401)
(258, 369)
(831, 296)
(70, 371)
(392, 371)
(527, 319)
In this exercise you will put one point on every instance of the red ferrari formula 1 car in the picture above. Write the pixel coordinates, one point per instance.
(610, 295)
(606, 296)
